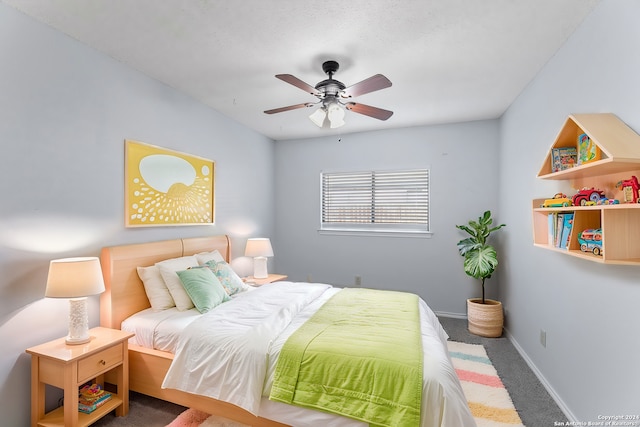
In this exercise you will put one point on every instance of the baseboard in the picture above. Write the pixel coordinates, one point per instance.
(563, 407)
(452, 315)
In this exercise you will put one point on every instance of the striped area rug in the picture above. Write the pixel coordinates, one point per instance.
(488, 398)
(195, 418)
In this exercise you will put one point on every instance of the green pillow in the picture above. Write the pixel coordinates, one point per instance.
(203, 287)
(231, 282)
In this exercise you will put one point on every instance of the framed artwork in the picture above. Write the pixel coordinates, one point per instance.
(165, 187)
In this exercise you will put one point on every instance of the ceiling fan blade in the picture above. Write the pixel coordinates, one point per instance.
(298, 83)
(367, 110)
(369, 85)
(290, 107)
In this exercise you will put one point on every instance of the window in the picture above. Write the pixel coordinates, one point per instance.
(376, 201)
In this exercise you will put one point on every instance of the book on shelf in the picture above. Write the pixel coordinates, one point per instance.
(551, 228)
(566, 230)
(559, 229)
(557, 234)
(563, 158)
(588, 151)
(89, 407)
(91, 397)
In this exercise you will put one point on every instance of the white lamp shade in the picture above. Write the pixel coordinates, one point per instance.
(258, 247)
(74, 278)
(330, 116)
(335, 114)
(318, 117)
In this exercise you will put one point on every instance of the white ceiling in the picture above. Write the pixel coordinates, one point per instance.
(448, 60)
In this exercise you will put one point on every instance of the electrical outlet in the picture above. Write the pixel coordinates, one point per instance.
(358, 281)
(543, 338)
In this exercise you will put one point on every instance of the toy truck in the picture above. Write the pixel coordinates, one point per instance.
(582, 197)
(591, 240)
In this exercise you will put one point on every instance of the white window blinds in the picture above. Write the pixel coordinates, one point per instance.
(376, 200)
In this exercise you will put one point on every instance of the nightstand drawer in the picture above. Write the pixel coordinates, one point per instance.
(98, 363)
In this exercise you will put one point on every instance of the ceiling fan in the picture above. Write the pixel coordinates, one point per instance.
(331, 93)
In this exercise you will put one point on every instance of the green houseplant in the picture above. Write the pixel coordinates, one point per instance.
(480, 261)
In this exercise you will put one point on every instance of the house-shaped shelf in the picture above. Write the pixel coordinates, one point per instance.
(619, 146)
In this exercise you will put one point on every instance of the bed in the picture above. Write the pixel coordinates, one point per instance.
(125, 297)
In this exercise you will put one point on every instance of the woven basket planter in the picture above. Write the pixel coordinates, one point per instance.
(486, 319)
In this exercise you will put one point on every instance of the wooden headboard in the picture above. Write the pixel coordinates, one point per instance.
(124, 293)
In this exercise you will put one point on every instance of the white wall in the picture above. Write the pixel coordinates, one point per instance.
(589, 310)
(463, 163)
(65, 112)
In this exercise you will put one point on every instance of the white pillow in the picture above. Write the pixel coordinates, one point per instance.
(157, 291)
(205, 257)
(168, 269)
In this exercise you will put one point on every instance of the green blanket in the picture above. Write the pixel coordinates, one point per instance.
(359, 356)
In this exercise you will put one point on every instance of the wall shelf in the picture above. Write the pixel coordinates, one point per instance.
(620, 224)
(619, 145)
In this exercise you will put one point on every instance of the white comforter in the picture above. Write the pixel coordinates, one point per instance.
(230, 354)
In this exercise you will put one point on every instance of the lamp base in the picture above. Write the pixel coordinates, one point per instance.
(78, 322)
(76, 341)
(260, 267)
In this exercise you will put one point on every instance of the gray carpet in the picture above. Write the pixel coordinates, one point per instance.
(535, 406)
(144, 411)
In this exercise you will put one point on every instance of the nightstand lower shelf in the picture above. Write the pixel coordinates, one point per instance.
(55, 418)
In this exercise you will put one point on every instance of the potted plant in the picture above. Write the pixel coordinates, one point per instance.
(485, 317)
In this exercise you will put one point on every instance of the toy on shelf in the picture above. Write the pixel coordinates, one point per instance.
(586, 195)
(606, 201)
(591, 240)
(629, 189)
(558, 200)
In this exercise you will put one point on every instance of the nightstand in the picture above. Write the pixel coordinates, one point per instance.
(70, 366)
(269, 279)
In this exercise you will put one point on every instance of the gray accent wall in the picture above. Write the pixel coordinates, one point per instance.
(65, 111)
(590, 311)
(463, 163)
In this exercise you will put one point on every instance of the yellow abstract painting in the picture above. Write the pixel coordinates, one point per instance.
(165, 187)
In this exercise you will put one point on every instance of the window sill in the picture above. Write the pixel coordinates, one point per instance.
(376, 233)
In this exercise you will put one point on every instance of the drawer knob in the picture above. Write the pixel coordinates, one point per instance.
(103, 362)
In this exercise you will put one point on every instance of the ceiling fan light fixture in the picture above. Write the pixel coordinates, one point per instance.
(318, 116)
(335, 114)
(331, 114)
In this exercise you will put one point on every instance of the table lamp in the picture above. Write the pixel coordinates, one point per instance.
(259, 249)
(75, 278)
